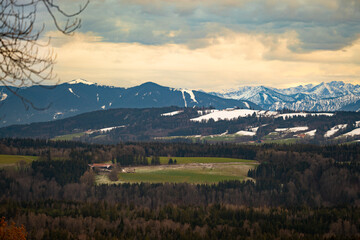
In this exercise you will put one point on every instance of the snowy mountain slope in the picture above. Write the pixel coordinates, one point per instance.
(169, 123)
(331, 96)
(334, 130)
(353, 107)
(229, 114)
(80, 96)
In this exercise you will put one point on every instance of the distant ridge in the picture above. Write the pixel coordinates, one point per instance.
(332, 96)
(81, 96)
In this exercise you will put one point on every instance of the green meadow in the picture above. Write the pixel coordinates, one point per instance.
(188, 173)
(282, 141)
(68, 137)
(194, 170)
(6, 160)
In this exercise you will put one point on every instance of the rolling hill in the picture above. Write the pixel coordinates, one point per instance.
(195, 125)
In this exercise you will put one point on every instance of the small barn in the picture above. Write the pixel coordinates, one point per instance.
(101, 167)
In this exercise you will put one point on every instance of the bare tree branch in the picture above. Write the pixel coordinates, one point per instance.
(24, 60)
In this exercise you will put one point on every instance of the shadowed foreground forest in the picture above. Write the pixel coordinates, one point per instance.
(297, 192)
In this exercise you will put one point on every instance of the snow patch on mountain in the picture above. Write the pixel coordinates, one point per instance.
(254, 129)
(224, 133)
(185, 103)
(171, 113)
(104, 130)
(3, 96)
(352, 133)
(357, 124)
(70, 90)
(79, 80)
(311, 133)
(108, 129)
(334, 130)
(245, 133)
(292, 129)
(57, 114)
(229, 114)
(192, 95)
(183, 91)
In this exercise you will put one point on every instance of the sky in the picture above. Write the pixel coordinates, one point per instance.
(210, 44)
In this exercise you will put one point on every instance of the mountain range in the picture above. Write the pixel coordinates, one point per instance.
(80, 96)
(332, 96)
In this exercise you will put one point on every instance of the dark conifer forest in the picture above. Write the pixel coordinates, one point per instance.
(149, 124)
(297, 192)
(184, 120)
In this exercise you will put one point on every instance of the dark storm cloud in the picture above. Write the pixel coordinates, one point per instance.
(319, 24)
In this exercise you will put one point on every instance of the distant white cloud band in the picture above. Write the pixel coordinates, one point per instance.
(228, 61)
(211, 44)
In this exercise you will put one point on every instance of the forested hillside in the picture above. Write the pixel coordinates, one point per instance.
(196, 125)
(297, 191)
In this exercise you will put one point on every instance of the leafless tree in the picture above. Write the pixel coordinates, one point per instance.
(24, 60)
(113, 175)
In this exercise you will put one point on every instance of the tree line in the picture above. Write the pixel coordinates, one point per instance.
(135, 151)
(147, 124)
(297, 191)
(73, 220)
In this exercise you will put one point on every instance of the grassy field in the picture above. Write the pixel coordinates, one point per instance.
(218, 138)
(68, 137)
(283, 141)
(186, 160)
(190, 173)
(7, 160)
(193, 172)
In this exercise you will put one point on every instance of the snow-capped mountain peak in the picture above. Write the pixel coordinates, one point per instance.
(80, 96)
(331, 96)
(83, 81)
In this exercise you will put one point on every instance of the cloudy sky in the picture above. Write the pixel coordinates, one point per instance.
(212, 44)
